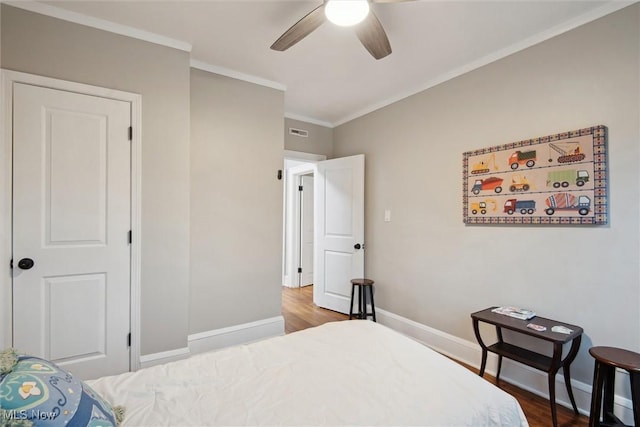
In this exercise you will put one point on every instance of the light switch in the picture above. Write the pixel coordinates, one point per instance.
(387, 215)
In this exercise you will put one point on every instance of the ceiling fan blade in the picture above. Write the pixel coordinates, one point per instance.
(300, 29)
(373, 37)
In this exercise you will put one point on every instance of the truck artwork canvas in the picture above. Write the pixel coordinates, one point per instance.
(555, 179)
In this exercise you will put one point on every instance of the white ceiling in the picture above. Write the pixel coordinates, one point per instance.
(329, 77)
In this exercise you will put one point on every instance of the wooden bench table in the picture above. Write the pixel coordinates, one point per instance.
(550, 365)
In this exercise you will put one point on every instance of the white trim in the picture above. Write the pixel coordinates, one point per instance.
(307, 157)
(235, 335)
(199, 65)
(450, 345)
(592, 15)
(218, 338)
(288, 197)
(311, 120)
(153, 359)
(136, 232)
(6, 163)
(293, 204)
(101, 24)
(8, 78)
(78, 18)
(522, 376)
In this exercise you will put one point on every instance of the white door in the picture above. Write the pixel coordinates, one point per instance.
(306, 230)
(71, 216)
(339, 225)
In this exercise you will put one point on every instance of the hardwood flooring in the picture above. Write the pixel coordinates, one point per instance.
(299, 313)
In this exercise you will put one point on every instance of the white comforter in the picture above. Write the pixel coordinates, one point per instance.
(351, 373)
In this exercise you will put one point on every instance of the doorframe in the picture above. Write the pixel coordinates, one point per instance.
(7, 80)
(289, 209)
(303, 199)
(295, 173)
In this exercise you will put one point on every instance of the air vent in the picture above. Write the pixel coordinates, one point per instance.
(299, 132)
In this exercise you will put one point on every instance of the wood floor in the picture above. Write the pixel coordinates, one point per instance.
(299, 313)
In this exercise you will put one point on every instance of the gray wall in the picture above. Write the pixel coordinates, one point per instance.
(431, 268)
(236, 203)
(37, 44)
(232, 222)
(319, 141)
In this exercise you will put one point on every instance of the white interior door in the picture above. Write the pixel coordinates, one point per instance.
(339, 226)
(306, 230)
(71, 216)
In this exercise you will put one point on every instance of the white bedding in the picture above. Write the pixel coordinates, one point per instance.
(350, 373)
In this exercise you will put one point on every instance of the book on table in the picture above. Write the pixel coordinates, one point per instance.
(518, 313)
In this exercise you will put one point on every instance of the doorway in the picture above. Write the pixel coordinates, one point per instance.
(338, 228)
(298, 222)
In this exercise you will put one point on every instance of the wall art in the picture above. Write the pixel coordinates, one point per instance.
(555, 179)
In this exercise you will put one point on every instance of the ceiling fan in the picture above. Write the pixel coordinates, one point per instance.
(345, 13)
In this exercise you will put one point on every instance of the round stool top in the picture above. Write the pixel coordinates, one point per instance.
(362, 282)
(617, 357)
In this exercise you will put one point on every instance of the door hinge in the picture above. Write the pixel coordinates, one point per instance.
(129, 340)
(299, 187)
(130, 236)
(130, 133)
(299, 269)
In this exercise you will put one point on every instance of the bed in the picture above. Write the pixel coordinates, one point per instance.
(350, 373)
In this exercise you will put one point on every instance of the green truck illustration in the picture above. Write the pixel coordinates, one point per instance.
(564, 178)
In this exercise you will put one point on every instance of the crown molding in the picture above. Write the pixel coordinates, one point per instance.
(199, 65)
(100, 24)
(606, 9)
(311, 120)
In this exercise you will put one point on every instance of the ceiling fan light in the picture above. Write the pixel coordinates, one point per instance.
(346, 13)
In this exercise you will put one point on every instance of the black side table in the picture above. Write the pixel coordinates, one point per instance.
(550, 365)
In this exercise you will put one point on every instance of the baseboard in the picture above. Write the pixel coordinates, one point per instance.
(287, 283)
(522, 376)
(153, 359)
(218, 338)
(234, 335)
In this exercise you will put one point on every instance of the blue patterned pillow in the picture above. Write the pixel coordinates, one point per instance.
(37, 392)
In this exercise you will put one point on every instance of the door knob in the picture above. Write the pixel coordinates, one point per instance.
(357, 246)
(25, 263)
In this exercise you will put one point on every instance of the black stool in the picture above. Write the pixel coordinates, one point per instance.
(607, 360)
(363, 285)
